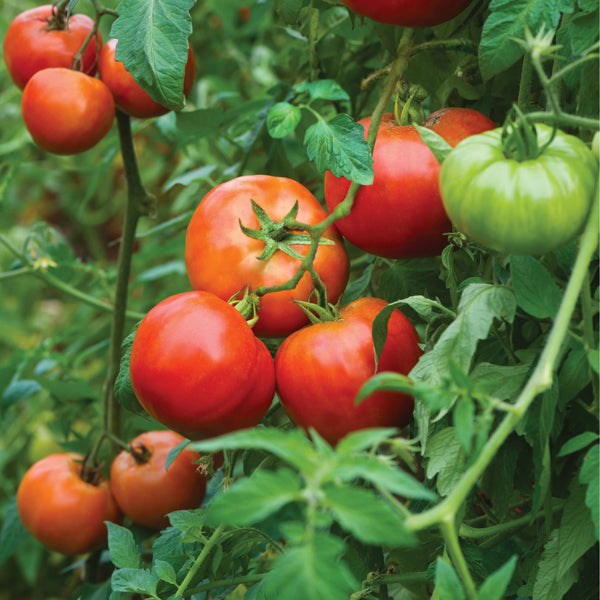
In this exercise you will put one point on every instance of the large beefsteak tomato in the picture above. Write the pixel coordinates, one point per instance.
(320, 369)
(197, 367)
(401, 215)
(222, 259)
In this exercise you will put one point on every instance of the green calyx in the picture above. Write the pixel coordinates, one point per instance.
(520, 138)
(407, 105)
(317, 313)
(281, 235)
(247, 305)
(60, 16)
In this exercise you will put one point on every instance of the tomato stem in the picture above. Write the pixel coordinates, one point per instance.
(137, 200)
(343, 209)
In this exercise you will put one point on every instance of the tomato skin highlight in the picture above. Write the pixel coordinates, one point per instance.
(29, 46)
(321, 368)
(128, 95)
(145, 491)
(66, 112)
(62, 511)
(519, 207)
(222, 259)
(197, 367)
(408, 13)
(401, 215)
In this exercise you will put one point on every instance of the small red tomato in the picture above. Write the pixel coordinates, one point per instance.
(197, 367)
(320, 369)
(408, 13)
(61, 510)
(40, 39)
(401, 214)
(222, 259)
(129, 96)
(66, 112)
(145, 490)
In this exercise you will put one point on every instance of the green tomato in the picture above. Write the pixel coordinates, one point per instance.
(528, 207)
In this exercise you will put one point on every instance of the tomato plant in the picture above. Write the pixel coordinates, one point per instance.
(145, 490)
(63, 511)
(197, 367)
(488, 488)
(409, 13)
(223, 259)
(129, 96)
(81, 106)
(519, 206)
(321, 368)
(401, 214)
(43, 37)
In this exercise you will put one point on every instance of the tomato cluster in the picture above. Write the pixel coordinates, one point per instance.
(198, 365)
(53, 57)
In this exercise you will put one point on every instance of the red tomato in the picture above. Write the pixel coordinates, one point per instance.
(197, 367)
(145, 490)
(66, 112)
(128, 95)
(455, 124)
(401, 215)
(320, 369)
(36, 40)
(63, 511)
(408, 13)
(222, 259)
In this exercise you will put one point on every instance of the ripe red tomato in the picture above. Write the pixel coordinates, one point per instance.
(408, 13)
(197, 367)
(222, 259)
(128, 95)
(66, 112)
(145, 490)
(401, 215)
(37, 40)
(320, 369)
(63, 511)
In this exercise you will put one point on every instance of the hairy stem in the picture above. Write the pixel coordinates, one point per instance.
(210, 544)
(343, 209)
(136, 200)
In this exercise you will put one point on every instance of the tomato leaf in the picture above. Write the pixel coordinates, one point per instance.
(153, 46)
(447, 583)
(498, 49)
(12, 531)
(323, 89)
(136, 581)
(311, 571)
(340, 147)
(535, 288)
(122, 546)
(446, 459)
(479, 305)
(589, 475)
(291, 446)
(369, 518)
(123, 389)
(363, 439)
(377, 471)
(164, 571)
(255, 498)
(289, 10)
(577, 443)
(282, 119)
(495, 585)
(439, 147)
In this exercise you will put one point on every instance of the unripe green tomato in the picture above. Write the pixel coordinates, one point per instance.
(519, 207)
